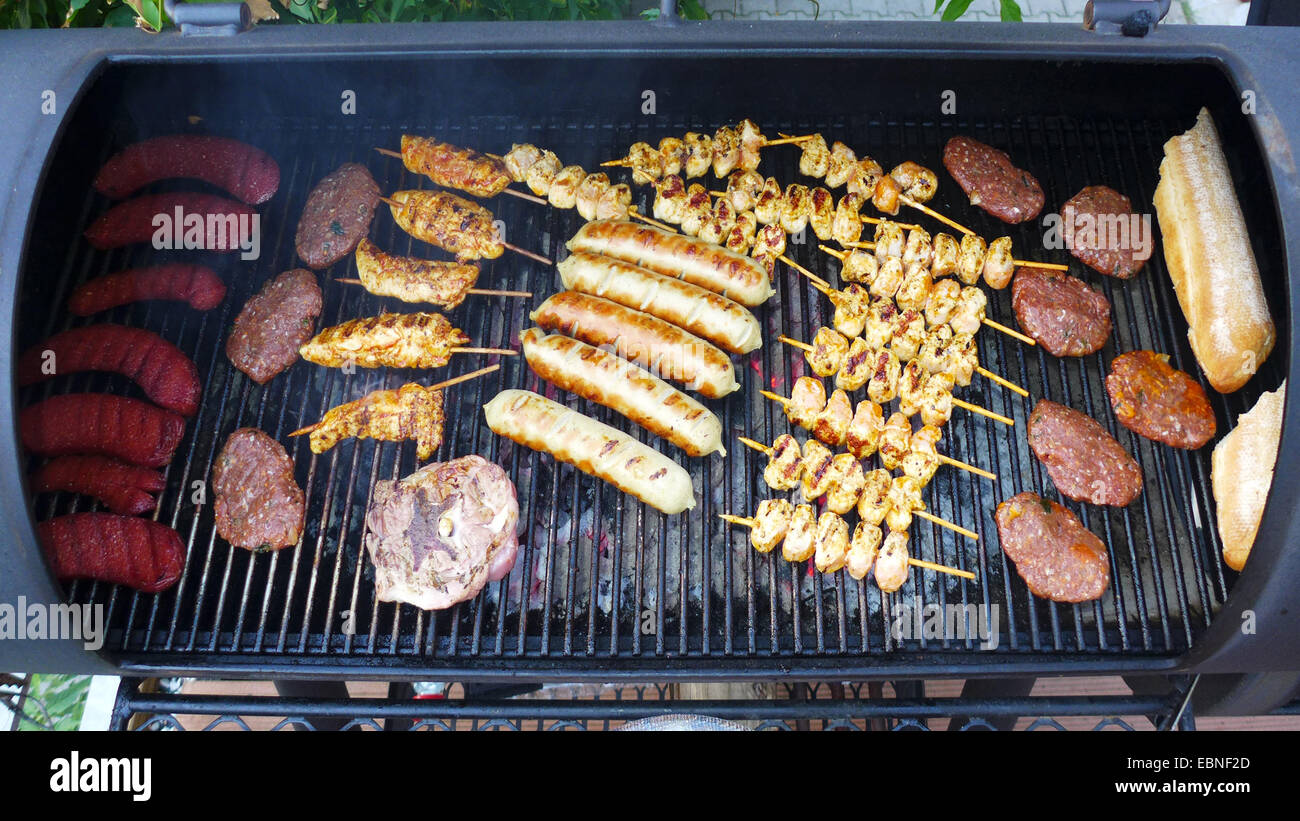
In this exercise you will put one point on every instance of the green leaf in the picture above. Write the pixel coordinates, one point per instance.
(1011, 12)
(693, 10)
(938, 4)
(120, 17)
(77, 5)
(956, 8)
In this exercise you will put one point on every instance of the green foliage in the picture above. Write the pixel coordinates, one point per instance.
(688, 9)
(55, 702)
(82, 13)
(953, 9)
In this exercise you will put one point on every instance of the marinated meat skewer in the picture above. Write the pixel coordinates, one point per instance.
(410, 279)
(420, 340)
(481, 175)
(409, 412)
(453, 223)
(729, 148)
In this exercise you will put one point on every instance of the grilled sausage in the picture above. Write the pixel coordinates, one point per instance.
(623, 387)
(197, 285)
(122, 488)
(1085, 462)
(650, 342)
(337, 215)
(992, 182)
(167, 375)
(1066, 315)
(246, 172)
(726, 323)
(1058, 557)
(106, 547)
(226, 222)
(693, 260)
(129, 429)
(592, 447)
(1154, 400)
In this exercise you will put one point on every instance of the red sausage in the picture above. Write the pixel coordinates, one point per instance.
(128, 429)
(123, 488)
(133, 221)
(167, 375)
(198, 285)
(116, 549)
(246, 172)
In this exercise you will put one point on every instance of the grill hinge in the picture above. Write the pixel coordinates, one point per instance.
(209, 19)
(1132, 18)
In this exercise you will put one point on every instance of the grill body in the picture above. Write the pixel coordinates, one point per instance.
(606, 587)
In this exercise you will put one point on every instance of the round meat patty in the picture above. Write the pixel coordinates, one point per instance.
(1063, 313)
(992, 182)
(1155, 400)
(258, 504)
(1058, 557)
(1100, 230)
(1085, 462)
(273, 324)
(337, 215)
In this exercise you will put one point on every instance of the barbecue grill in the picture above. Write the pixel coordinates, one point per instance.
(605, 587)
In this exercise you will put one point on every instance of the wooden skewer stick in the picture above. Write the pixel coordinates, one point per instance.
(803, 346)
(957, 463)
(775, 397)
(786, 138)
(623, 163)
(758, 446)
(637, 215)
(982, 412)
(479, 291)
(804, 271)
(965, 574)
(1050, 266)
(446, 383)
(909, 226)
(502, 351)
(737, 520)
(998, 326)
(512, 192)
(970, 534)
(940, 217)
(1006, 383)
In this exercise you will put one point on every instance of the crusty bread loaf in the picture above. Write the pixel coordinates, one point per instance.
(1207, 251)
(1242, 472)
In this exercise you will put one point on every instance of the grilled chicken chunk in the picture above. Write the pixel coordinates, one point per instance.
(785, 464)
(414, 280)
(807, 399)
(864, 431)
(409, 412)
(891, 563)
(816, 469)
(873, 502)
(846, 486)
(771, 523)
(815, 160)
(832, 424)
(831, 542)
(801, 538)
(829, 347)
(863, 547)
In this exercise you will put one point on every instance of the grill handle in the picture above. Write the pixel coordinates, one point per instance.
(1132, 18)
(209, 19)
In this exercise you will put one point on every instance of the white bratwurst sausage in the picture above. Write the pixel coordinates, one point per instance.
(592, 447)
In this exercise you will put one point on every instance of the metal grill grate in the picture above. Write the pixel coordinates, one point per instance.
(600, 578)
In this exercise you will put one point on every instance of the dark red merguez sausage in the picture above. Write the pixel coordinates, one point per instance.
(116, 549)
(123, 488)
(101, 423)
(167, 375)
(197, 285)
(248, 173)
(133, 221)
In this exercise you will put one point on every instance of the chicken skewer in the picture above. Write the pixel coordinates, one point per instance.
(409, 279)
(1017, 263)
(410, 412)
(740, 191)
(420, 340)
(823, 355)
(453, 223)
(481, 175)
(729, 148)
(637, 215)
(776, 521)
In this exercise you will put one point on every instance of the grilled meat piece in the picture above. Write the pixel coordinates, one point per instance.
(258, 503)
(414, 280)
(1085, 462)
(337, 215)
(771, 522)
(891, 563)
(816, 469)
(829, 348)
(454, 167)
(409, 412)
(992, 182)
(801, 538)
(1103, 226)
(1058, 558)
(450, 222)
(832, 542)
(273, 323)
(832, 424)
(1067, 316)
(421, 340)
(807, 399)
(873, 502)
(864, 431)
(846, 484)
(106, 547)
(1153, 399)
(863, 547)
(442, 533)
(785, 464)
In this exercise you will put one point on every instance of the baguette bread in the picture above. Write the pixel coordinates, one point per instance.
(1242, 472)
(1208, 254)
